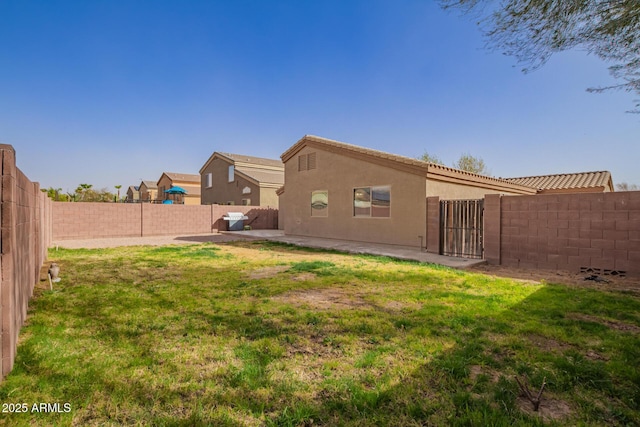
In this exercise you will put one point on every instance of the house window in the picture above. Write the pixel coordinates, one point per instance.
(209, 179)
(306, 162)
(246, 202)
(246, 190)
(231, 173)
(320, 203)
(381, 202)
(372, 202)
(362, 201)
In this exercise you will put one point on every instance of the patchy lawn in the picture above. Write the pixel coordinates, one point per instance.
(255, 333)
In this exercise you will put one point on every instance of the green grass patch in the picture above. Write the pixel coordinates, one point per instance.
(265, 334)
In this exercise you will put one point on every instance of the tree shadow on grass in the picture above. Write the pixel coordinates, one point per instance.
(473, 382)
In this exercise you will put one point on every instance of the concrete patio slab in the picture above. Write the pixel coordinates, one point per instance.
(393, 251)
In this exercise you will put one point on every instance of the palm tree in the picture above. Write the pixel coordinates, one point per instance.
(118, 187)
(82, 188)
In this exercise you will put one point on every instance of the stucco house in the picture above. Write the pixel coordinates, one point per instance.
(133, 194)
(237, 179)
(148, 191)
(189, 182)
(338, 190)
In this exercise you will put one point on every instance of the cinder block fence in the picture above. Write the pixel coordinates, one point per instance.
(595, 233)
(25, 221)
(97, 220)
(590, 232)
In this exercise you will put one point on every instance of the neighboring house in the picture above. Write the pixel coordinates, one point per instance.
(343, 191)
(189, 182)
(235, 179)
(148, 191)
(581, 182)
(133, 194)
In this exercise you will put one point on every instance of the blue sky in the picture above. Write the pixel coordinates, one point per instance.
(112, 92)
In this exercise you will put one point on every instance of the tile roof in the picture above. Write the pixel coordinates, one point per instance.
(263, 176)
(151, 185)
(579, 180)
(244, 160)
(192, 190)
(419, 167)
(185, 177)
(253, 160)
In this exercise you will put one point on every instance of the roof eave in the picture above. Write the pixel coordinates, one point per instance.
(216, 154)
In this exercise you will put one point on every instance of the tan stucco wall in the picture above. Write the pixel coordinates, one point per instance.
(452, 191)
(222, 191)
(146, 194)
(268, 197)
(339, 175)
(133, 195)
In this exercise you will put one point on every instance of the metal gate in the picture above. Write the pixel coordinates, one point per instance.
(461, 228)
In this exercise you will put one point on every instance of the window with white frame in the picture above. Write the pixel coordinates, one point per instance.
(231, 173)
(372, 202)
(209, 180)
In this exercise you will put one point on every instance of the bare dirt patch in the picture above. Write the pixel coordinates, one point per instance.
(304, 276)
(549, 410)
(610, 283)
(548, 344)
(476, 370)
(613, 324)
(267, 272)
(324, 299)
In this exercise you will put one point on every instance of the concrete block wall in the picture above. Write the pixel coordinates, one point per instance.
(159, 220)
(95, 220)
(25, 236)
(597, 232)
(98, 220)
(260, 218)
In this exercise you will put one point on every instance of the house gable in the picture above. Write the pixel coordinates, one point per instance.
(334, 184)
(255, 179)
(427, 170)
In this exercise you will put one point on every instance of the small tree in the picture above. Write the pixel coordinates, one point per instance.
(55, 194)
(533, 30)
(82, 190)
(429, 158)
(472, 164)
(624, 186)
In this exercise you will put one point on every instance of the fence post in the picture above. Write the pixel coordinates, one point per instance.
(7, 246)
(492, 228)
(433, 225)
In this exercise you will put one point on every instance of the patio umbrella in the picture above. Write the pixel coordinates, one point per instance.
(176, 190)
